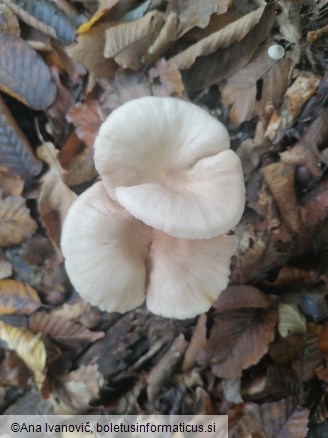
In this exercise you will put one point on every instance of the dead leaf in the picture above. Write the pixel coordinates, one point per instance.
(81, 169)
(67, 333)
(89, 51)
(16, 156)
(274, 420)
(291, 321)
(309, 358)
(165, 367)
(126, 86)
(249, 90)
(196, 13)
(239, 339)
(17, 298)
(24, 75)
(55, 196)
(76, 390)
(6, 269)
(87, 118)
(29, 348)
(16, 224)
(284, 351)
(8, 21)
(166, 37)
(233, 46)
(280, 179)
(46, 17)
(79, 311)
(197, 342)
(169, 75)
(297, 94)
(13, 371)
(10, 185)
(323, 341)
(238, 297)
(104, 8)
(127, 42)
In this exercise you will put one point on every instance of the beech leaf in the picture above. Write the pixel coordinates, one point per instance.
(127, 42)
(16, 224)
(29, 348)
(291, 321)
(239, 339)
(196, 13)
(24, 74)
(240, 92)
(64, 331)
(226, 51)
(17, 298)
(15, 152)
(45, 16)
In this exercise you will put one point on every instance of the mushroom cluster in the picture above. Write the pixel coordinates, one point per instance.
(155, 227)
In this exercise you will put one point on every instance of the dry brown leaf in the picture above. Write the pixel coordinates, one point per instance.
(280, 179)
(76, 390)
(197, 342)
(8, 21)
(224, 52)
(166, 37)
(55, 196)
(237, 297)
(304, 86)
(29, 348)
(323, 341)
(79, 311)
(275, 420)
(10, 185)
(126, 86)
(13, 371)
(127, 42)
(81, 169)
(300, 155)
(16, 224)
(196, 13)
(238, 339)
(89, 51)
(169, 75)
(291, 321)
(87, 118)
(17, 298)
(309, 358)
(165, 367)
(241, 90)
(67, 333)
(284, 351)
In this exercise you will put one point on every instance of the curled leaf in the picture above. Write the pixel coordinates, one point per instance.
(29, 348)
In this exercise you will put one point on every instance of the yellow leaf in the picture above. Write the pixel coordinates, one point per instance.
(291, 320)
(29, 348)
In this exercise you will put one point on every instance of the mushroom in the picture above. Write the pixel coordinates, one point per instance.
(116, 261)
(154, 228)
(168, 163)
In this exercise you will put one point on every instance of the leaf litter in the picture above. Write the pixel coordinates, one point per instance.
(264, 341)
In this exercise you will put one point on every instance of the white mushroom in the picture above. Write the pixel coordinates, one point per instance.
(115, 261)
(168, 163)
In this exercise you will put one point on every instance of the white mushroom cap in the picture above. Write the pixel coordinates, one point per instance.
(114, 261)
(104, 249)
(167, 162)
(187, 276)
